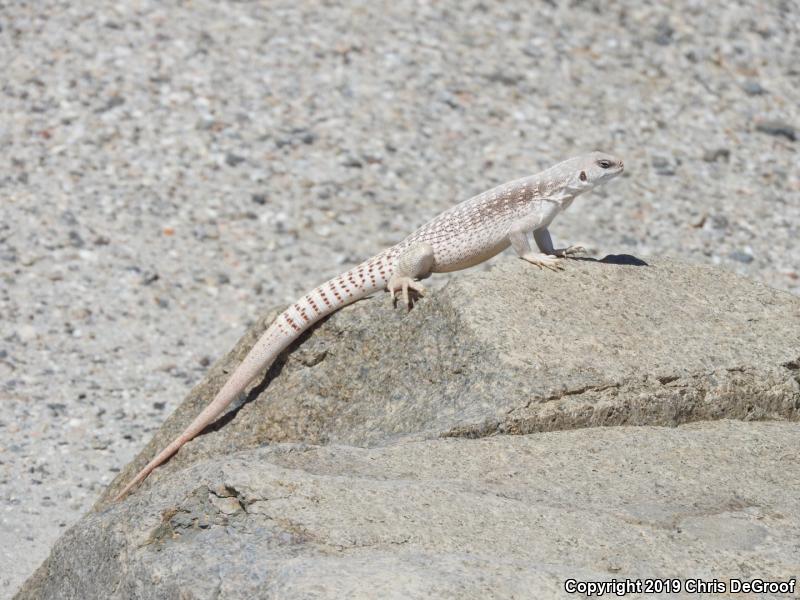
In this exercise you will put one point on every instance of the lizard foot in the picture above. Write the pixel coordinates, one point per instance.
(571, 250)
(408, 289)
(543, 260)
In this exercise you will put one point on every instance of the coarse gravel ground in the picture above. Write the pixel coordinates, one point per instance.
(169, 170)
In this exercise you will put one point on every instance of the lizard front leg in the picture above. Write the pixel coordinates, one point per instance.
(545, 243)
(415, 263)
(519, 241)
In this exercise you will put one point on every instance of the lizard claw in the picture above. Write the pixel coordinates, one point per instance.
(543, 260)
(571, 250)
(408, 289)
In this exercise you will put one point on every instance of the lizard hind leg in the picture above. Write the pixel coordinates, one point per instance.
(414, 263)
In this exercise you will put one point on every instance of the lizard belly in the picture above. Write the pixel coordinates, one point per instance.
(452, 259)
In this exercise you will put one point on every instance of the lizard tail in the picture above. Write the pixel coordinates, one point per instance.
(361, 281)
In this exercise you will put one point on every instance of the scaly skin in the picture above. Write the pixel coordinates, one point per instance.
(463, 236)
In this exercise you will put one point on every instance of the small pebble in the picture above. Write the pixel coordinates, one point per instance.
(664, 33)
(663, 166)
(777, 128)
(716, 155)
(753, 88)
(741, 256)
(233, 160)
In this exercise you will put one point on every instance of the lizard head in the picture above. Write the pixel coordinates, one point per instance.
(593, 169)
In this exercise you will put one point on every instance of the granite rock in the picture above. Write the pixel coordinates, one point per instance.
(516, 350)
(498, 517)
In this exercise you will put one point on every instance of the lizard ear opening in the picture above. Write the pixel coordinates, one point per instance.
(583, 176)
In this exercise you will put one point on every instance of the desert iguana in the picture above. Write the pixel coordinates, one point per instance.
(463, 236)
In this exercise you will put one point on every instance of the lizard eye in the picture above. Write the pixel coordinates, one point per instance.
(604, 164)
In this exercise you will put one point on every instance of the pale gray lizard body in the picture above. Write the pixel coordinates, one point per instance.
(465, 235)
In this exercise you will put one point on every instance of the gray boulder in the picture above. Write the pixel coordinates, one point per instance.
(499, 517)
(343, 474)
(516, 350)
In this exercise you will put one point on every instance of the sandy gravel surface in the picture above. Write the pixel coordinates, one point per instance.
(169, 170)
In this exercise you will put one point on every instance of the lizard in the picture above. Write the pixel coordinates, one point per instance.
(463, 236)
